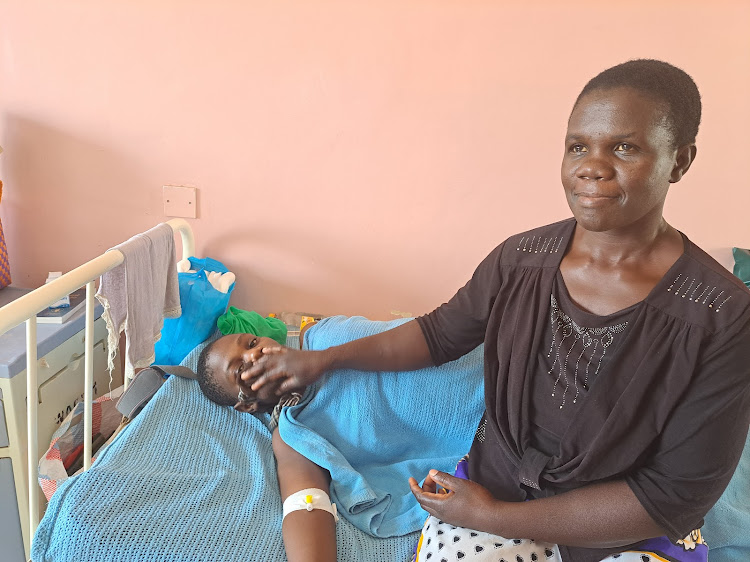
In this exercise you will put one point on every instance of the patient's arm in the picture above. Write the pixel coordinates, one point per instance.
(403, 348)
(309, 536)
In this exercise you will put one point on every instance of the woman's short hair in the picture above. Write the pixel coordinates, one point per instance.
(663, 82)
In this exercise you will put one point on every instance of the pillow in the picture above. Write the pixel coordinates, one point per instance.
(726, 529)
(727, 525)
(742, 264)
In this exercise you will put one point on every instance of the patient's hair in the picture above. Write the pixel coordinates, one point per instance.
(664, 83)
(207, 380)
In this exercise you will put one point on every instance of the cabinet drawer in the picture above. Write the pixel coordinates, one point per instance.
(57, 359)
(11, 538)
(63, 390)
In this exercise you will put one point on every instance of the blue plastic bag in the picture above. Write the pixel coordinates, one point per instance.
(201, 307)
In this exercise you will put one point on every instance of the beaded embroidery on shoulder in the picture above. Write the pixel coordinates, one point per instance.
(696, 291)
(540, 244)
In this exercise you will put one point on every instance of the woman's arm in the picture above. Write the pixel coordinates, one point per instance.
(403, 348)
(596, 516)
(454, 328)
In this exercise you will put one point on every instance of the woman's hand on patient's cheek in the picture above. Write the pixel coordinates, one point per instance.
(288, 368)
(465, 504)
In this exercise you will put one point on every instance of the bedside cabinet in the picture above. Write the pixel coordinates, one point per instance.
(60, 352)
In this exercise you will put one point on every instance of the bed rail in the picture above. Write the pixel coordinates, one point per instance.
(25, 309)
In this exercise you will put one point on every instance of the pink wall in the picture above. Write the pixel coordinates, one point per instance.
(351, 157)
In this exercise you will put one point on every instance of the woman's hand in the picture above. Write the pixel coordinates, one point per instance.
(286, 368)
(461, 502)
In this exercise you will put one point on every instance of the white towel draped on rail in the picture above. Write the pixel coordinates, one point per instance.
(138, 294)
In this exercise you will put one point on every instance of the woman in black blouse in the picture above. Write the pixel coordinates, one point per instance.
(617, 353)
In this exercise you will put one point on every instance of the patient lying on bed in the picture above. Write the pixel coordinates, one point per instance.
(308, 526)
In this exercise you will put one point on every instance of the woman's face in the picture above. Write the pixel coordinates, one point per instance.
(619, 160)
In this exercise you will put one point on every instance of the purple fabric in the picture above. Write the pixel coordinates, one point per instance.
(462, 469)
(662, 546)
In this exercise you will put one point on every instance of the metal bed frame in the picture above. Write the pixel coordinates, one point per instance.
(25, 309)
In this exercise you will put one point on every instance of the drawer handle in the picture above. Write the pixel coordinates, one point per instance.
(77, 356)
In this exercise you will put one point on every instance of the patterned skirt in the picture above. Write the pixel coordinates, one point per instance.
(442, 542)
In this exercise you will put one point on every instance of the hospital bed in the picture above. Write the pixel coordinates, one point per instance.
(187, 480)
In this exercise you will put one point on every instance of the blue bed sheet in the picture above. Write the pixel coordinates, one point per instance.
(186, 481)
(372, 431)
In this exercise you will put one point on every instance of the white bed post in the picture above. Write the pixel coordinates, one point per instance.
(25, 309)
(31, 423)
(88, 378)
(186, 236)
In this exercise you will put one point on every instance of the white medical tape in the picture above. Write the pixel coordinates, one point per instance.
(309, 499)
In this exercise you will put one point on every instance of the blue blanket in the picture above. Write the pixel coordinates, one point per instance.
(186, 481)
(374, 430)
(727, 526)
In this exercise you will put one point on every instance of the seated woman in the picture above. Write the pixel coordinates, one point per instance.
(617, 354)
(308, 525)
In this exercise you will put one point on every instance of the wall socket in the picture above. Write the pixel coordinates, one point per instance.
(179, 201)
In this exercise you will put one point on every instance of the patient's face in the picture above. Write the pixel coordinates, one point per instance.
(230, 356)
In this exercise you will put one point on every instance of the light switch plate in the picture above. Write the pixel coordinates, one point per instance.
(179, 201)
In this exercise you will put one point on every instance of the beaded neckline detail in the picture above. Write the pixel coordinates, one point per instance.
(587, 345)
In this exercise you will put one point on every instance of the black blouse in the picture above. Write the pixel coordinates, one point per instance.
(665, 404)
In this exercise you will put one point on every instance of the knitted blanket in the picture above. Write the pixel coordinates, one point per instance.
(373, 431)
(186, 481)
